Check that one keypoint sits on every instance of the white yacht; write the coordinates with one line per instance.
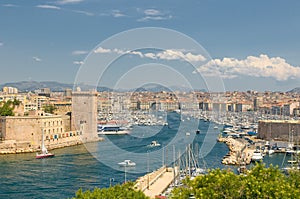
(112, 130)
(127, 163)
(154, 144)
(257, 156)
(271, 151)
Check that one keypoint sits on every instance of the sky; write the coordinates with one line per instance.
(229, 45)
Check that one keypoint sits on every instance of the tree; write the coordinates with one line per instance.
(49, 108)
(6, 108)
(118, 191)
(16, 102)
(259, 182)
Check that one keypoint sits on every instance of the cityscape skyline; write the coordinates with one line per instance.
(252, 45)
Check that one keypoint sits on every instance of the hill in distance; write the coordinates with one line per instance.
(295, 90)
(26, 86)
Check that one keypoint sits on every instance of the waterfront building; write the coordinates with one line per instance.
(279, 129)
(84, 114)
(25, 133)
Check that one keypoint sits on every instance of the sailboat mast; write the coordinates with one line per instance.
(189, 159)
(43, 144)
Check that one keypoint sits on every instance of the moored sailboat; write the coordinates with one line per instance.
(44, 152)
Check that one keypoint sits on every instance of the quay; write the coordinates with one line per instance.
(155, 183)
(239, 151)
(16, 147)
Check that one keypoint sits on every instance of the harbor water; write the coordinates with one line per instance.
(96, 164)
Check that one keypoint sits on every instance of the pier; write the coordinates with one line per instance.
(239, 152)
(153, 184)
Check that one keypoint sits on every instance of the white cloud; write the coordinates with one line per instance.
(261, 66)
(170, 54)
(117, 13)
(150, 55)
(9, 5)
(102, 50)
(178, 54)
(113, 13)
(79, 52)
(48, 7)
(155, 18)
(78, 62)
(69, 1)
(152, 12)
(37, 59)
(84, 12)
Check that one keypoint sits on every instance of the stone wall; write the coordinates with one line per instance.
(84, 114)
(32, 128)
(13, 146)
(285, 130)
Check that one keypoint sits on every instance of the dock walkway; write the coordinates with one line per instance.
(155, 183)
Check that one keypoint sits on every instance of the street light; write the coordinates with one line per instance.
(125, 173)
(111, 180)
(148, 170)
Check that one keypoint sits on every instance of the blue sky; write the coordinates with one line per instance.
(253, 45)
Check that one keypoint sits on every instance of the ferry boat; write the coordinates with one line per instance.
(108, 129)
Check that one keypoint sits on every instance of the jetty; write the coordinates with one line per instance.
(155, 183)
(238, 151)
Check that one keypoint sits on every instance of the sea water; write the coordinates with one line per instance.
(96, 164)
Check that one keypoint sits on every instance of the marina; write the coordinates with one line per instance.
(96, 164)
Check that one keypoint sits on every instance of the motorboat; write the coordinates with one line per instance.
(154, 144)
(257, 156)
(271, 151)
(127, 163)
(197, 131)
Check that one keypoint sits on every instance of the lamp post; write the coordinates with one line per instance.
(111, 180)
(125, 174)
(148, 170)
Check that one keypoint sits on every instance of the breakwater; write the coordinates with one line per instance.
(239, 152)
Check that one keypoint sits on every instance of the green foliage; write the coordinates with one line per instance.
(16, 102)
(260, 182)
(118, 191)
(6, 108)
(49, 108)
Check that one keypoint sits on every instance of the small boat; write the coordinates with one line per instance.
(290, 151)
(154, 144)
(271, 151)
(44, 153)
(197, 131)
(187, 133)
(216, 127)
(127, 163)
(257, 156)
